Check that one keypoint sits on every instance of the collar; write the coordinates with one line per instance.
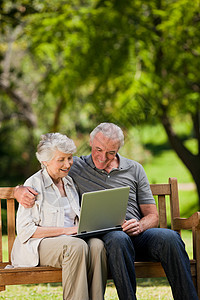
(48, 180)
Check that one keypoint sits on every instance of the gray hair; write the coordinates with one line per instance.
(51, 142)
(109, 130)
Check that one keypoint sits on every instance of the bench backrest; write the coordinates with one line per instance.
(161, 191)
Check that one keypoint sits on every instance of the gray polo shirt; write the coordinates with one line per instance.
(129, 173)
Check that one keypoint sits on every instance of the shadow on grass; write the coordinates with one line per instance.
(146, 282)
(52, 284)
(157, 149)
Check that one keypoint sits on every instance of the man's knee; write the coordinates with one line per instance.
(176, 241)
(117, 241)
(170, 239)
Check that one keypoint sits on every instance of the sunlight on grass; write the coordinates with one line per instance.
(147, 288)
(150, 289)
(164, 165)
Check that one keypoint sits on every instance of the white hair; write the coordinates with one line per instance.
(50, 143)
(109, 130)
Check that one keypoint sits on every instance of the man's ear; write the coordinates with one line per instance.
(90, 143)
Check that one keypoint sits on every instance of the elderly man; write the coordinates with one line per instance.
(140, 239)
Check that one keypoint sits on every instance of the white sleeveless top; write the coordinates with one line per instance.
(69, 214)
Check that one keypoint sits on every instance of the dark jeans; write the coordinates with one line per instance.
(155, 244)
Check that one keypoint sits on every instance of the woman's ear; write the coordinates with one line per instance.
(44, 163)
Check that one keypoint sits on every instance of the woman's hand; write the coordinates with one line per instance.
(70, 230)
(42, 232)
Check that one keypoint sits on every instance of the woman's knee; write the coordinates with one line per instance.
(96, 245)
(96, 248)
(77, 247)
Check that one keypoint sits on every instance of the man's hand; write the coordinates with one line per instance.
(25, 196)
(131, 227)
(149, 220)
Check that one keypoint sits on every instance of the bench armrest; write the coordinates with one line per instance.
(187, 223)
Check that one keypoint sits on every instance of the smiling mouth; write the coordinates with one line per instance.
(64, 170)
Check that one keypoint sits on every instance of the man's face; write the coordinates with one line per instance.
(104, 150)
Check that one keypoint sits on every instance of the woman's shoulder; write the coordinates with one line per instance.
(35, 178)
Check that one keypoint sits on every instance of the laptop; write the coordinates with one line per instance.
(102, 211)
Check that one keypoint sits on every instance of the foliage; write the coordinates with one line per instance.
(68, 65)
(4, 221)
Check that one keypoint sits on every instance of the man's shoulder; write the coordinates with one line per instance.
(127, 162)
(81, 161)
(79, 164)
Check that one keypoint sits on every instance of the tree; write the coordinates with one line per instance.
(144, 60)
(127, 62)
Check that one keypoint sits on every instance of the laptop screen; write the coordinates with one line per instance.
(103, 209)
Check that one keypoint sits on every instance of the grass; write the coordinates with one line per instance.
(147, 289)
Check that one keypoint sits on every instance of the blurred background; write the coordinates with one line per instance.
(66, 66)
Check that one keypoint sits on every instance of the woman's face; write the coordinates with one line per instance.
(60, 165)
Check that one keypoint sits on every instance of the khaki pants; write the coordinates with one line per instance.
(84, 266)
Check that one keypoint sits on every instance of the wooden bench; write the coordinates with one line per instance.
(163, 192)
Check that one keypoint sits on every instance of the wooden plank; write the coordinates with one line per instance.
(149, 269)
(33, 275)
(174, 201)
(194, 242)
(1, 250)
(197, 244)
(6, 192)
(10, 225)
(38, 275)
(162, 211)
(155, 269)
(160, 189)
(187, 223)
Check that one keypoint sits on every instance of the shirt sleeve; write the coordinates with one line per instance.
(27, 218)
(144, 193)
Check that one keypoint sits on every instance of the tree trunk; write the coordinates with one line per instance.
(26, 112)
(191, 161)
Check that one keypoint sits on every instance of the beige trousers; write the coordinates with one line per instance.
(84, 265)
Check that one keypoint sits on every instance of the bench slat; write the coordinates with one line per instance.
(162, 211)
(1, 250)
(7, 193)
(160, 189)
(10, 224)
(33, 275)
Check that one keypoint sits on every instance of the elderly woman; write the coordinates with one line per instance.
(45, 231)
